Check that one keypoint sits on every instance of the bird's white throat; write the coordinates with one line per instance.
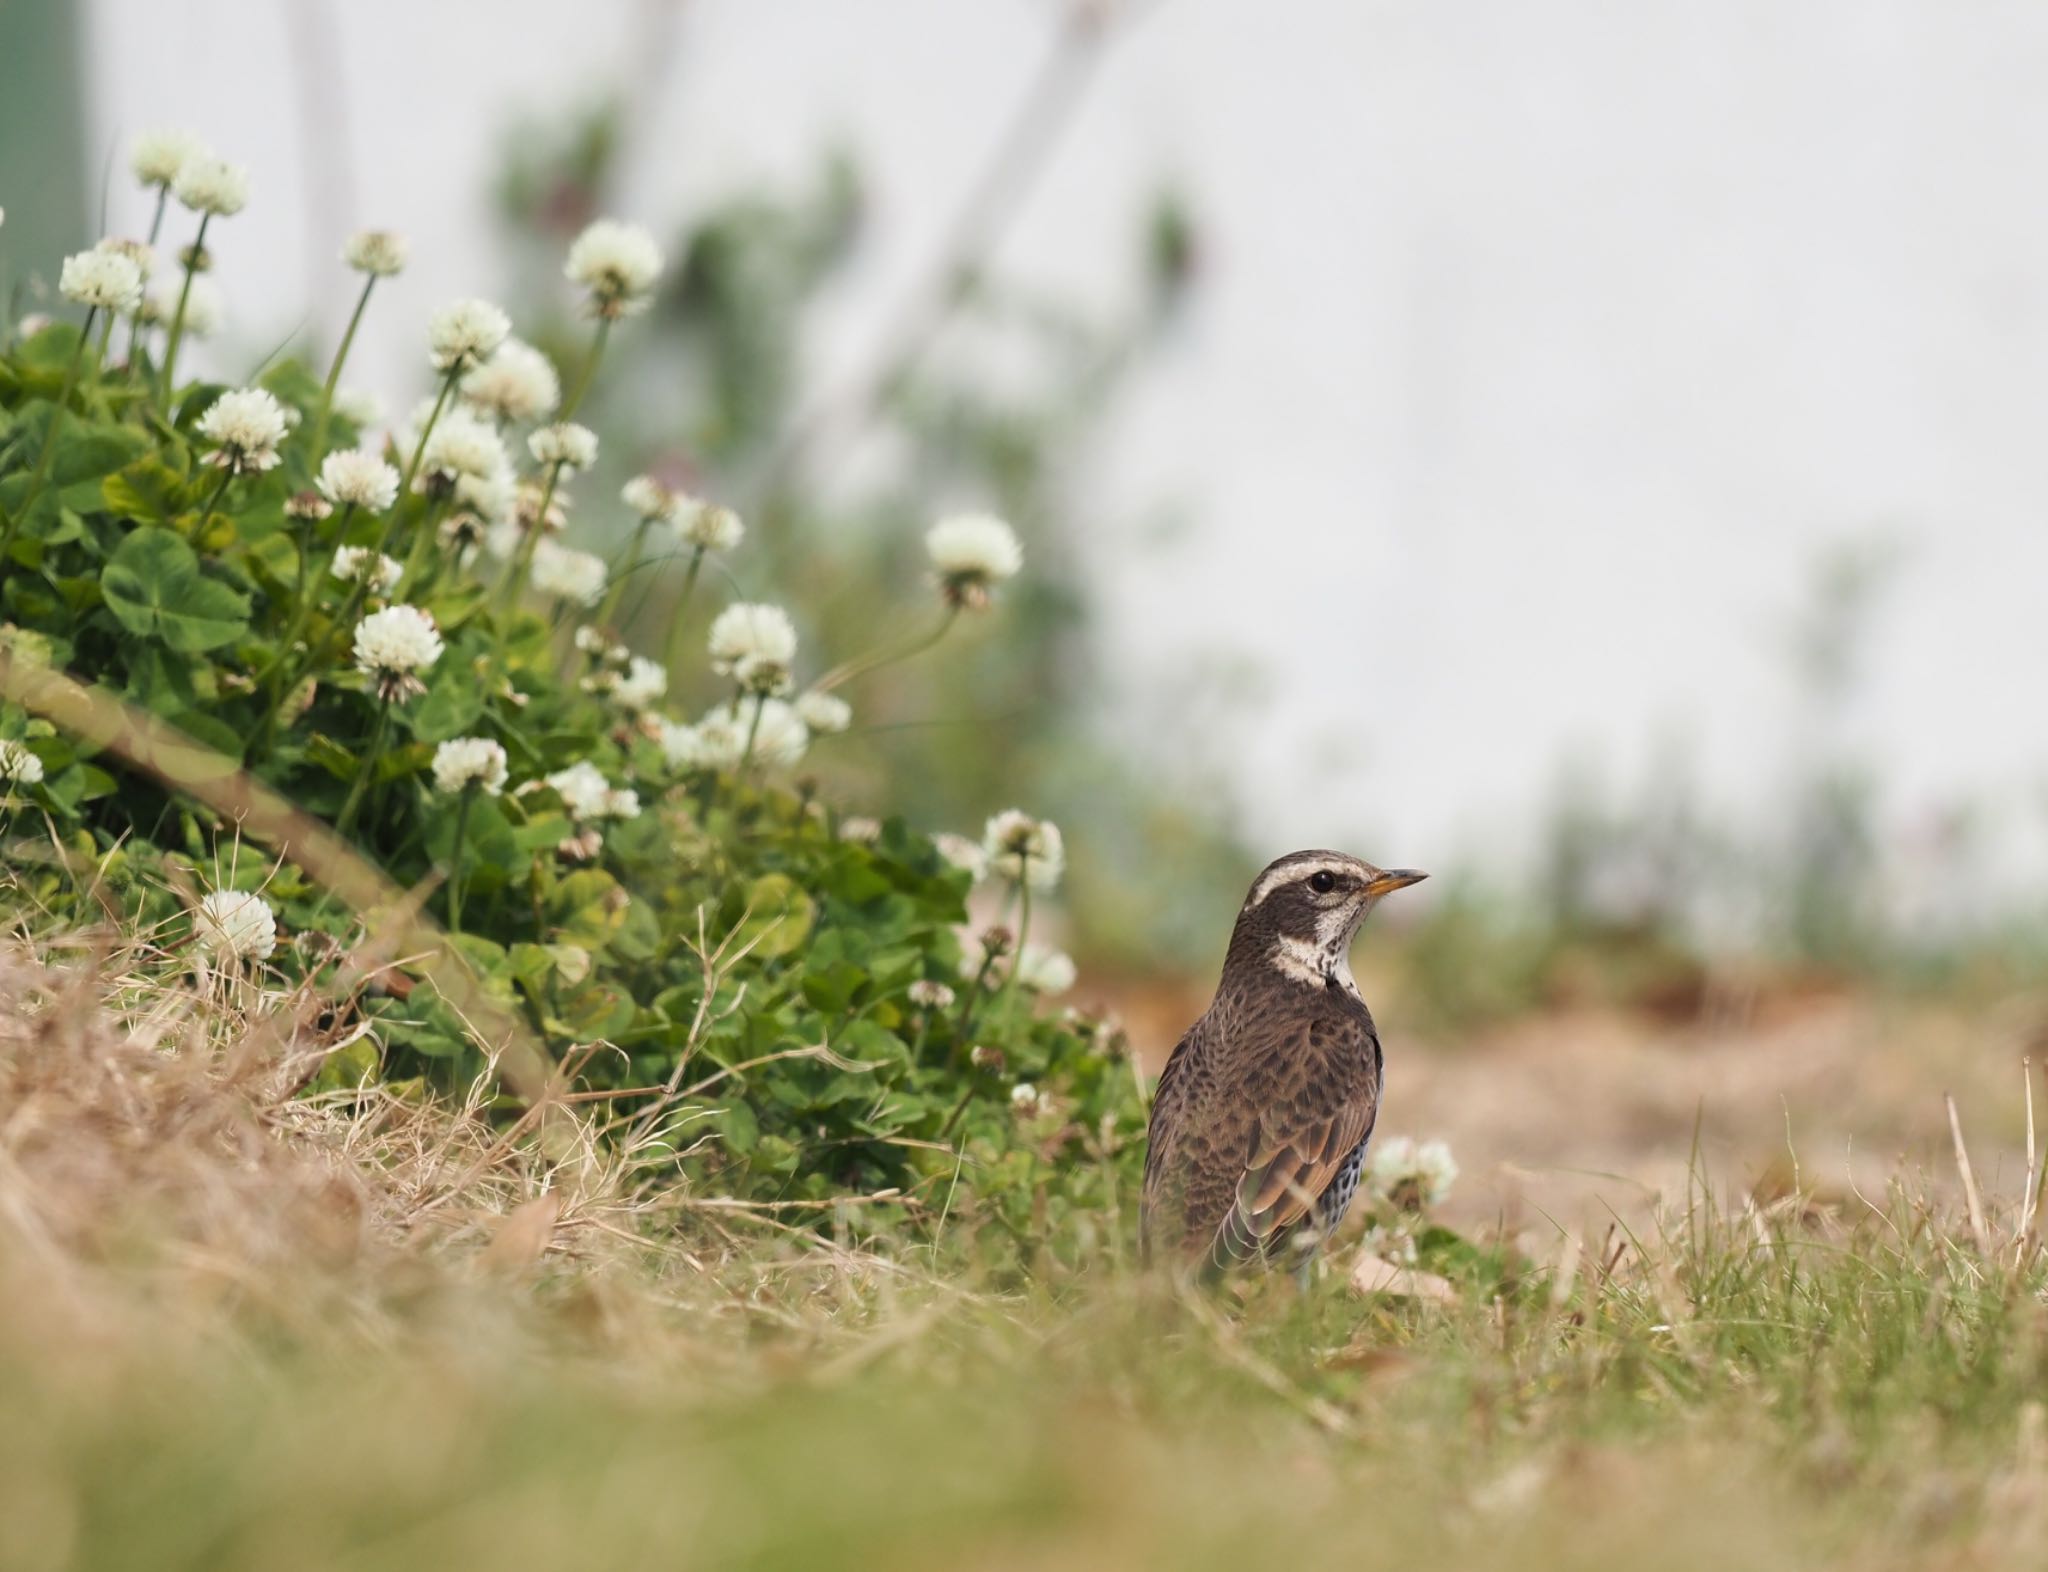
(1316, 962)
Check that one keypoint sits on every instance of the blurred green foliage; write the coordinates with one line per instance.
(989, 397)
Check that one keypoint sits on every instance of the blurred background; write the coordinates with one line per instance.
(1588, 452)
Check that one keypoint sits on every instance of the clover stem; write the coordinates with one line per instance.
(42, 469)
(675, 620)
(629, 559)
(521, 565)
(367, 768)
(1004, 1004)
(192, 257)
(419, 448)
(455, 858)
(753, 731)
(99, 364)
(888, 655)
(589, 372)
(334, 371)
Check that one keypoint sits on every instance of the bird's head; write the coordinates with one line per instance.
(1305, 909)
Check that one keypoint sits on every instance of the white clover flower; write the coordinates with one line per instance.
(617, 264)
(502, 539)
(972, 553)
(139, 252)
(927, 994)
(359, 406)
(379, 573)
(233, 925)
(351, 478)
(378, 252)
(158, 156)
(566, 444)
(462, 445)
(708, 526)
(824, 712)
(466, 334)
(245, 426)
(18, 764)
(753, 643)
(1026, 1099)
(779, 736)
(1411, 1176)
(964, 853)
(463, 762)
(517, 383)
(207, 184)
(649, 498)
(103, 280)
(682, 746)
(860, 829)
(562, 573)
(1025, 850)
(642, 685)
(588, 795)
(490, 497)
(393, 646)
(1045, 971)
(594, 641)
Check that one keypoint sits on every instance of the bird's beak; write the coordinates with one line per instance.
(1392, 879)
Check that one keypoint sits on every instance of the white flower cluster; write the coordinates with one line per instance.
(158, 156)
(563, 573)
(245, 426)
(710, 527)
(972, 552)
(378, 252)
(588, 795)
(568, 445)
(352, 478)
(212, 186)
(719, 740)
(378, 573)
(616, 264)
(463, 762)
(517, 383)
(233, 925)
(103, 279)
(18, 765)
(928, 994)
(1025, 850)
(755, 645)
(642, 685)
(466, 456)
(824, 712)
(393, 646)
(1045, 971)
(465, 334)
(965, 853)
(1411, 1175)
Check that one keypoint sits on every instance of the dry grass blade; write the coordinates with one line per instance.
(1974, 1201)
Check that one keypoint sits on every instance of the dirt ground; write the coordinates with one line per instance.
(1570, 1119)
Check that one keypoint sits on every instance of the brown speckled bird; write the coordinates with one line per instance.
(1261, 1117)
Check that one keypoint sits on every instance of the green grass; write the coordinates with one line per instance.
(243, 1331)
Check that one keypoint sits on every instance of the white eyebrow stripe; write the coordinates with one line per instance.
(1293, 872)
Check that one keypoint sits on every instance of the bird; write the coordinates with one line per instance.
(1260, 1120)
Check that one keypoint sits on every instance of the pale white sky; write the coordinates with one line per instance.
(1541, 345)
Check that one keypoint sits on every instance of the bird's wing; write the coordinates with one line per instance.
(1313, 1093)
(1162, 1213)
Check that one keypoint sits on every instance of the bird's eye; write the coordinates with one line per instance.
(1322, 883)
